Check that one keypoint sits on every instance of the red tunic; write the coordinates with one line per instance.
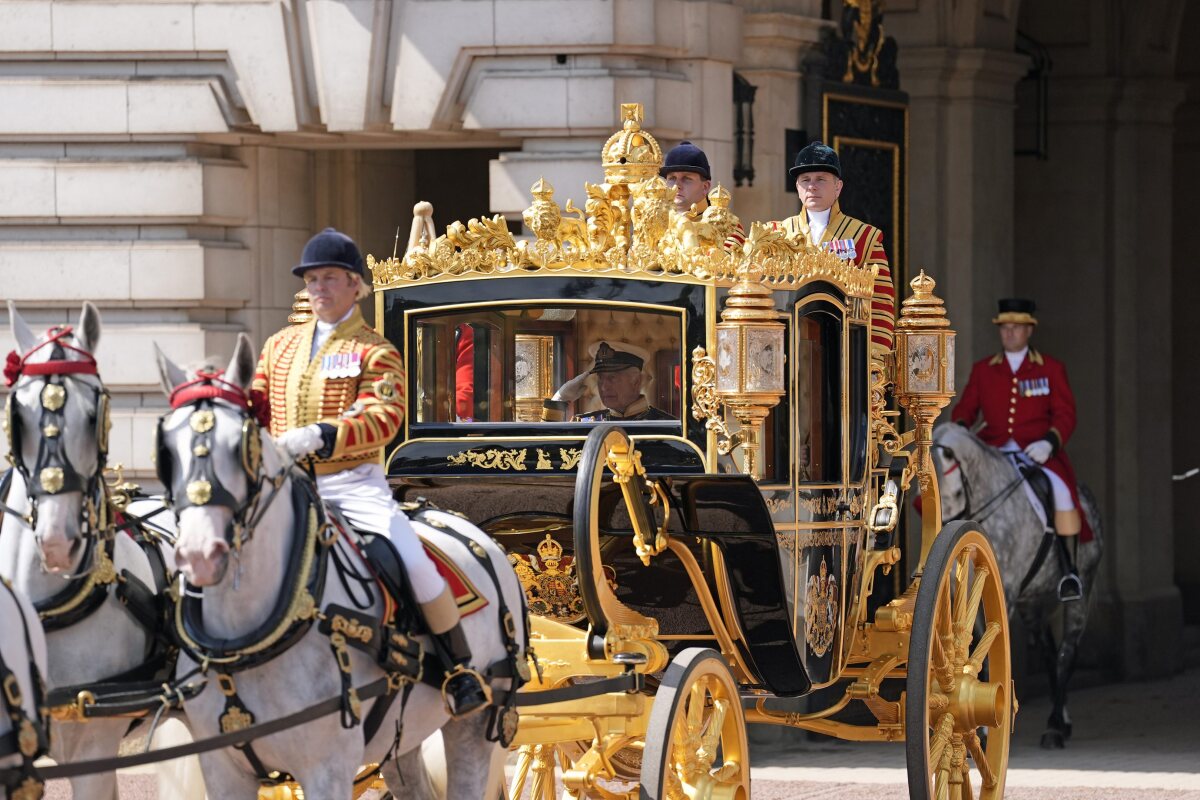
(1034, 403)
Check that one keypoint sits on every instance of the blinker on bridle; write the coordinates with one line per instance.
(52, 468)
(201, 486)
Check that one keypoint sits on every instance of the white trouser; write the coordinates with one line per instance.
(1062, 494)
(364, 500)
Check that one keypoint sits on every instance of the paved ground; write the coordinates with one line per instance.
(1131, 741)
(1137, 740)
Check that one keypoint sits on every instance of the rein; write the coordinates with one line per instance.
(992, 504)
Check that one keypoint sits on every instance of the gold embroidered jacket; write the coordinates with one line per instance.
(868, 249)
(367, 408)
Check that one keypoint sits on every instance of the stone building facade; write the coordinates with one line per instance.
(168, 159)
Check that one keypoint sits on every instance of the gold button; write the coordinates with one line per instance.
(1010, 422)
(1014, 378)
(1014, 390)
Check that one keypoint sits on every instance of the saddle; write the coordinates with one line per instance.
(1070, 587)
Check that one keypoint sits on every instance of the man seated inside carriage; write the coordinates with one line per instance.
(620, 380)
(336, 390)
(1028, 412)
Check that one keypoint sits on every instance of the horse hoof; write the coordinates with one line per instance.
(1066, 731)
(1053, 740)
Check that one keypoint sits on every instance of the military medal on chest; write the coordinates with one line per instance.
(341, 365)
(843, 249)
(1035, 387)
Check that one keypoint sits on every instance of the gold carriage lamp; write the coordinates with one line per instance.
(749, 370)
(924, 386)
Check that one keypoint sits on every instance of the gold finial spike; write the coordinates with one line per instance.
(632, 115)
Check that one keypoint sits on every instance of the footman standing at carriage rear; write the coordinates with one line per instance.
(336, 390)
(818, 176)
(1028, 411)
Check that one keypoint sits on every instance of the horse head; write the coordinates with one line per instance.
(210, 458)
(57, 423)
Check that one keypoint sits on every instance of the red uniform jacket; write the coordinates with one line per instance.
(1034, 403)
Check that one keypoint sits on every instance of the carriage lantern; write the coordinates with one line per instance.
(750, 376)
(924, 386)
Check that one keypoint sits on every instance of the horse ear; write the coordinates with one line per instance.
(240, 371)
(169, 373)
(87, 333)
(26, 340)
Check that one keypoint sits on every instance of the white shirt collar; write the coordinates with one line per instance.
(325, 330)
(1015, 359)
(818, 221)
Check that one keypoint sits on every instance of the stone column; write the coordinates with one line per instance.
(960, 182)
(1094, 237)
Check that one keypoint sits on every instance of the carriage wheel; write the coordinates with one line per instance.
(958, 726)
(696, 742)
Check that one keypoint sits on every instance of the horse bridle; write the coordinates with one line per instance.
(201, 486)
(993, 503)
(52, 472)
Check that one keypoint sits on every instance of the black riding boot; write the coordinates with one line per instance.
(463, 690)
(1070, 587)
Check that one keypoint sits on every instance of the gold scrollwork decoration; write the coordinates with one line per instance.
(570, 457)
(491, 459)
(706, 404)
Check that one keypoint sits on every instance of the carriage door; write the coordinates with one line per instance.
(816, 547)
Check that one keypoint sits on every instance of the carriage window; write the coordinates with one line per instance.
(506, 364)
(818, 404)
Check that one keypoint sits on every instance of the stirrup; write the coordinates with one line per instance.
(1070, 588)
(463, 671)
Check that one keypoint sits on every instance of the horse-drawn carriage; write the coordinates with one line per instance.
(689, 566)
(693, 545)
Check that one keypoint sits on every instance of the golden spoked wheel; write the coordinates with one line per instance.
(696, 740)
(959, 673)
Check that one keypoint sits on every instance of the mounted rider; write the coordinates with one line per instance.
(1028, 412)
(818, 176)
(336, 389)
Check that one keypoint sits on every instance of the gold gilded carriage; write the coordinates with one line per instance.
(750, 518)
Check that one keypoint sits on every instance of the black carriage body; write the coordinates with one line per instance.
(784, 555)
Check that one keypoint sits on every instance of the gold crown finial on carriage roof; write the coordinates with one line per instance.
(631, 155)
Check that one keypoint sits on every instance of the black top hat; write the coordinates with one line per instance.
(817, 157)
(1016, 309)
(330, 248)
(686, 157)
(609, 359)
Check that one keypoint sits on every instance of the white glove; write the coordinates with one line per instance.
(1039, 451)
(572, 390)
(300, 442)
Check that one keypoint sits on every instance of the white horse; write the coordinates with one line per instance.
(58, 425)
(239, 574)
(977, 481)
(23, 653)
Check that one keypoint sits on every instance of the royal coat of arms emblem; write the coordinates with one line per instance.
(550, 582)
(820, 610)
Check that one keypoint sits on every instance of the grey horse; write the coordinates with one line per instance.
(977, 481)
